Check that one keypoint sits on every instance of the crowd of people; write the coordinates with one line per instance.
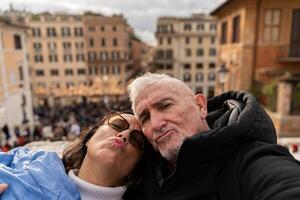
(59, 122)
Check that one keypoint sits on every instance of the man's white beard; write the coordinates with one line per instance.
(171, 154)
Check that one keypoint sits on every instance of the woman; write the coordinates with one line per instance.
(107, 159)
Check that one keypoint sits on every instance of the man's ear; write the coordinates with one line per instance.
(202, 104)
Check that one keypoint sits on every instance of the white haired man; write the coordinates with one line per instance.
(223, 149)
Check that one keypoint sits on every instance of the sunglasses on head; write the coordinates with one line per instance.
(120, 124)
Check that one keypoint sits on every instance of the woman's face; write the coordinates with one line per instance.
(117, 148)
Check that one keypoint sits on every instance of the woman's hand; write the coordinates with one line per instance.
(3, 187)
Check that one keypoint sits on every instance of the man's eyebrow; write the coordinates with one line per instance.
(142, 114)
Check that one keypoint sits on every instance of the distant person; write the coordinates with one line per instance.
(102, 163)
(74, 129)
(223, 149)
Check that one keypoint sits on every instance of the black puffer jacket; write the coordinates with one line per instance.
(237, 159)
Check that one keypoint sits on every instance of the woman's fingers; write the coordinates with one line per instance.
(3, 187)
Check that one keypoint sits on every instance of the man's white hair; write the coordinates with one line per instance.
(146, 80)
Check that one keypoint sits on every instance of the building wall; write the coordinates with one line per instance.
(118, 59)
(185, 37)
(15, 96)
(50, 84)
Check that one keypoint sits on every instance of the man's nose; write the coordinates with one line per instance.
(157, 121)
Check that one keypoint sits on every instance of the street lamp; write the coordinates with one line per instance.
(222, 74)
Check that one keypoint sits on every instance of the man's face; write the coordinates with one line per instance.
(168, 113)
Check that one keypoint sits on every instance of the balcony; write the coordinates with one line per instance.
(289, 54)
(163, 60)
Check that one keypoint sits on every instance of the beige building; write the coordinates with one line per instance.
(57, 49)
(187, 50)
(260, 46)
(15, 93)
(108, 52)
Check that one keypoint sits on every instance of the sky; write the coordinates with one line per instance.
(140, 14)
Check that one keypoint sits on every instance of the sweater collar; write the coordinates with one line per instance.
(91, 191)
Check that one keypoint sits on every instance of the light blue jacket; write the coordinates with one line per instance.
(35, 175)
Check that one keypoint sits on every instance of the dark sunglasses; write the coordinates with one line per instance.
(120, 124)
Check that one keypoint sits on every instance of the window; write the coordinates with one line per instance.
(199, 40)
(199, 77)
(65, 31)
(200, 27)
(91, 42)
(81, 71)
(295, 35)
(38, 58)
(169, 66)
(79, 45)
(78, 31)
(169, 54)
(39, 72)
(188, 52)
(54, 72)
(52, 46)
(271, 25)
(68, 72)
(51, 32)
(236, 29)
(116, 69)
(68, 58)
(18, 42)
(37, 46)
(169, 40)
(187, 27)
(161, 41)
(114, 28)
(199, 65)
(92, 55)
(115, 42)
(103, 42)
(212, 52)
(212, 40)
(224, 33)
(211, 92)
(92, 28)
(187, 66)
(67, 46)
(21, 74)
(36, 32)
(212, 27)
(103, 55)
(187, 40)
(102, 28)
(211, 76)
(199, 90)
(200, 52)
(80, 57)
(159, 54)
(186, 77)
(53, 58)
(212, 65)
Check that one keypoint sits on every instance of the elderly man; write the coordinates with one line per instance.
(221, 149)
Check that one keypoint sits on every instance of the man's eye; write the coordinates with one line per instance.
(144, 119)
(164, 105)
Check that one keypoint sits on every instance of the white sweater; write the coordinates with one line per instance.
(90, 191)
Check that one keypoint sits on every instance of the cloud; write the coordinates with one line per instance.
(141, 14)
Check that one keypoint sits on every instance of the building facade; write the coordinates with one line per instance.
(187, 50)
(57, 56)
(15, 94)
(73, 58)
(259, 43)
